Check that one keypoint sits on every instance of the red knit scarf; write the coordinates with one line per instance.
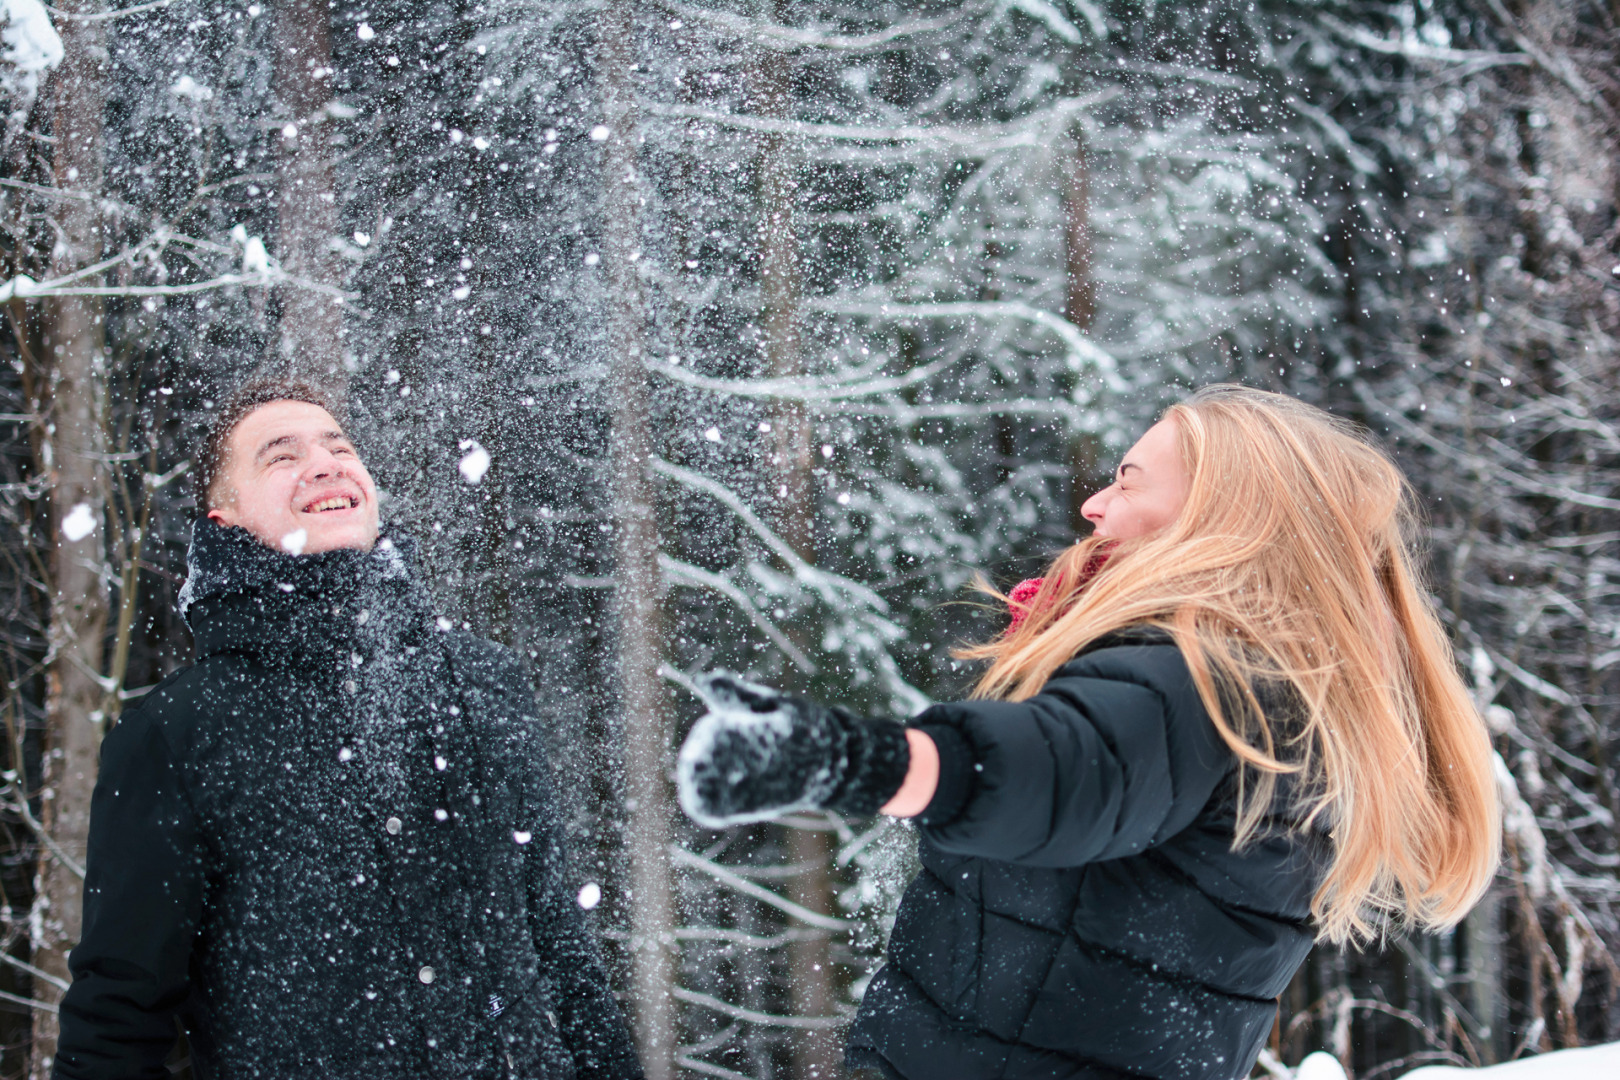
(1022, 596)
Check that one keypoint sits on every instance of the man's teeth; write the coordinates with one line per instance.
(338, 503)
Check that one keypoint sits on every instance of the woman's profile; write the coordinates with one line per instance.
(1223, 726)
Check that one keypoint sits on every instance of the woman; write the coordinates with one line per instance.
(1223, 726)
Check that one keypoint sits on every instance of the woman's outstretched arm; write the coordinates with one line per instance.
(922, 777)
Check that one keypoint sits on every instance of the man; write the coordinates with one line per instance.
(328, 848)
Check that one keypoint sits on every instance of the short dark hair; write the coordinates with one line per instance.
(236, 406)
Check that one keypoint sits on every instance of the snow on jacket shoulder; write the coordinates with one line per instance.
(1081, 912)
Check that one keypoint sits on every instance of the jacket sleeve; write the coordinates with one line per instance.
(588, 1016)
(142, 901)
(1115, 754)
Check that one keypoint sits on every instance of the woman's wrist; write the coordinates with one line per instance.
(917, 790)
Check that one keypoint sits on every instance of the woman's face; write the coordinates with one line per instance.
(1148, 491)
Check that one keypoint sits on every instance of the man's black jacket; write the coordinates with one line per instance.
(329, 848)
(1081, 913)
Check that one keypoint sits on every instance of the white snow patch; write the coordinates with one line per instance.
(255, 258)
(1319, 1066)
(521, 837)
(1051, 16)
(32, 48)
(190, 89)
(590, 894)
(475, 461)
(461, 292)
(713, 434)
(1582, 1063)
(79, 523)
(293, 543)
(364, 32)
(601, 133)
(21, 285)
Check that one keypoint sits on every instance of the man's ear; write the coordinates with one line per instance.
(223, 512)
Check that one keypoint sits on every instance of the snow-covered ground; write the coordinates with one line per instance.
(1586, 1063)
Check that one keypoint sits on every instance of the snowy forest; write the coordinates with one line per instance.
(687, 334)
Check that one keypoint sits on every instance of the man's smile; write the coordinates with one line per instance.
(332, 502)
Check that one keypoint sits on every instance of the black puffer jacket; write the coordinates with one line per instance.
(1081, 912)
(329, 847)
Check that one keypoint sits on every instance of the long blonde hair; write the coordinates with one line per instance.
(1292, 561)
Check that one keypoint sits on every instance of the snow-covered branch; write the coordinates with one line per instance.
(1084, 354)
(1498, 471)
(807, 389)
(24, 287)
(1410, 48)
(114, 13)
(829, 585)
(975, 141)
(737, 1012)
(686, 573)
(30, 1003)
(59, 983)
(781, 903)
(758, 32)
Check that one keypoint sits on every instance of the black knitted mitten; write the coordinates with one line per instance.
(758, 754)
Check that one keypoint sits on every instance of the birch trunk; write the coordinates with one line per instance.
(73, 456)
(637, 578)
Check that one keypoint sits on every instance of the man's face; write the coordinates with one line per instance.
(291, 478)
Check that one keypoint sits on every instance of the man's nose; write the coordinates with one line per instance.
(323, 463)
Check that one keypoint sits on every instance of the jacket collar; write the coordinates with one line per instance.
(241, 595)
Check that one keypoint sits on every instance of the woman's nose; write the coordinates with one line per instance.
(1094, 508)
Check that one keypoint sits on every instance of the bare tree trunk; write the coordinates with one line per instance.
(306, 203)
(74, 458)
(638, 582)
(812, 988)
(1080, 300)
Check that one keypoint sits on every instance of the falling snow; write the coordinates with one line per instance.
(783, 322)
